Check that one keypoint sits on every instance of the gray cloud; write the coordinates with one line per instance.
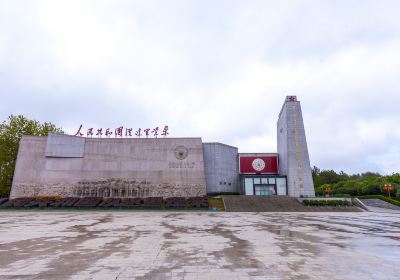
(216, 69)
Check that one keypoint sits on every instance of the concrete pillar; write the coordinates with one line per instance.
(294, 161)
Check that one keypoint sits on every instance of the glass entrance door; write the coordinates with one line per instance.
(264, 190)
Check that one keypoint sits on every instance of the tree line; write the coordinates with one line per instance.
(11, 132)
(368, 183)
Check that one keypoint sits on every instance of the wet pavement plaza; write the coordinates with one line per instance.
(198, 245)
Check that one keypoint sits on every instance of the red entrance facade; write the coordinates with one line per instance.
(259, 175)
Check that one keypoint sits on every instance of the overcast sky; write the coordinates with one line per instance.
(215, 69)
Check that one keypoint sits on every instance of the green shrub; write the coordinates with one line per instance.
(371, 189)
(325, 202)
(368, 183)
(4, 193)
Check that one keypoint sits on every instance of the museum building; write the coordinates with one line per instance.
(73, 166)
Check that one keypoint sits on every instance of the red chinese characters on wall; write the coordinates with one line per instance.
(121, 131)
(165, 131)
(258, 164)
(128, 132)
(79, 133)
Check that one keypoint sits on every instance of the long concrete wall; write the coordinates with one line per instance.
(111, 167)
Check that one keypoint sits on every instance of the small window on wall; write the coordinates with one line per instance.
(271, 180)
(264, 180)
(257, 181)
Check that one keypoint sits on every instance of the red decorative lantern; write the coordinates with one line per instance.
(328, 191)
(388, 188)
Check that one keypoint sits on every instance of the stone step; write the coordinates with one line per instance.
(379, 203)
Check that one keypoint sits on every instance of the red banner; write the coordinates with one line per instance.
(258, 164)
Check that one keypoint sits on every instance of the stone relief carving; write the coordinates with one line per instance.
(121, 188)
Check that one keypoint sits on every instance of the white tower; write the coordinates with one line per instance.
(294, 161)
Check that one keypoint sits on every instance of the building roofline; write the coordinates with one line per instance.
(218, 143)
(258, 154)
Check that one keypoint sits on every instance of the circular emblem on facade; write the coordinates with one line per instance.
(258, 164)
(181, 152)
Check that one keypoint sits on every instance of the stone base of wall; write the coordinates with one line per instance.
(120, 188)
(111, 202)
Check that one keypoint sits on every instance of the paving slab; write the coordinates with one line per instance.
(198, 245)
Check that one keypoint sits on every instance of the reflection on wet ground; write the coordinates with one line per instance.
(199, 245)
